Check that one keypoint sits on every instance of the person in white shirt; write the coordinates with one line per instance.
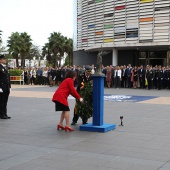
(117, 76)
(32, 76)
(92, 71)
(45, 76)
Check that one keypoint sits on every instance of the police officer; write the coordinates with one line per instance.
(159, 77)
(168, 77)
(85, 77)
(4, 87)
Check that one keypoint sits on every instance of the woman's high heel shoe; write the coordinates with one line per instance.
(60, 127)
(69, 129)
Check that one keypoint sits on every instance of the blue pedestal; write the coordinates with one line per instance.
(98, 102)
(92, 128)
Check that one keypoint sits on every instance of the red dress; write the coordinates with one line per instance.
(108, 76)
(62, 93)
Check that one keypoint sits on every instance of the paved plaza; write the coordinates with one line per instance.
(30, 141)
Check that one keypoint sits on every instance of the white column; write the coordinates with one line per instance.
(114, 57)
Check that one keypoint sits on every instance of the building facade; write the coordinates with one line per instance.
(130, 31)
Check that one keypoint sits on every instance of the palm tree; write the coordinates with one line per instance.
(46, 51)
(19, 43)
(25, 44)
(56, 45)
(13, 43)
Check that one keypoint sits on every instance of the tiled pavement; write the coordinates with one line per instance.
(30, 141)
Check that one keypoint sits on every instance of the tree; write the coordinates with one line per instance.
(69, 50)
(19, 43)
(46, 51)
(34, 52)
(13, 43)
(26, 44)
(56, 45)
(66, 61)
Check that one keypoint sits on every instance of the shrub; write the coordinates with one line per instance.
(15, 72)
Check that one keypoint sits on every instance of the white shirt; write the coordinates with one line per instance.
(118, 73)
(45, 73)
(3, 65)
(92, 71)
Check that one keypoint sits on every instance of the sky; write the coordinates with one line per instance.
(39, 18)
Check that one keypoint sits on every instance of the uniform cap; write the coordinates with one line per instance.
(2, 56)
(88, 67)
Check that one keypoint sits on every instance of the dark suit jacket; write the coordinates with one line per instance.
(128, 72)
(141, 73)
(5, 84)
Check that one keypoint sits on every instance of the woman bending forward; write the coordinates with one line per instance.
(60, 99)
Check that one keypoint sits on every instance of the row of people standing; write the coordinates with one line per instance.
(35, 76)
(43, 76)
(157, 77)
(48, 75)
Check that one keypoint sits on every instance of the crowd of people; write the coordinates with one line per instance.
(125, 76)
(156, 77)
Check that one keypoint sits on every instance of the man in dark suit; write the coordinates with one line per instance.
(85, 77)
(123, 76)
(149, 76)
(141, 75)
(159, 77)
(128, 74)
(4, 87)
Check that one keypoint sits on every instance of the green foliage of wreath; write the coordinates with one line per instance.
(85, 109)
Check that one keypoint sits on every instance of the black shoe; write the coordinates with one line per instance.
(8, 117)
(84, 123)
(3, 117)
(73, 123)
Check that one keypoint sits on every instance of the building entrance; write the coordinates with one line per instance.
(152, 58)
(154, 62)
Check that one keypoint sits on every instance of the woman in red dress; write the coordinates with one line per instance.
(60, 98)
(108, 76)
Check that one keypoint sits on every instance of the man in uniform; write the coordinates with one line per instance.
(85, 77)
(4, 87)
(159, 77)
